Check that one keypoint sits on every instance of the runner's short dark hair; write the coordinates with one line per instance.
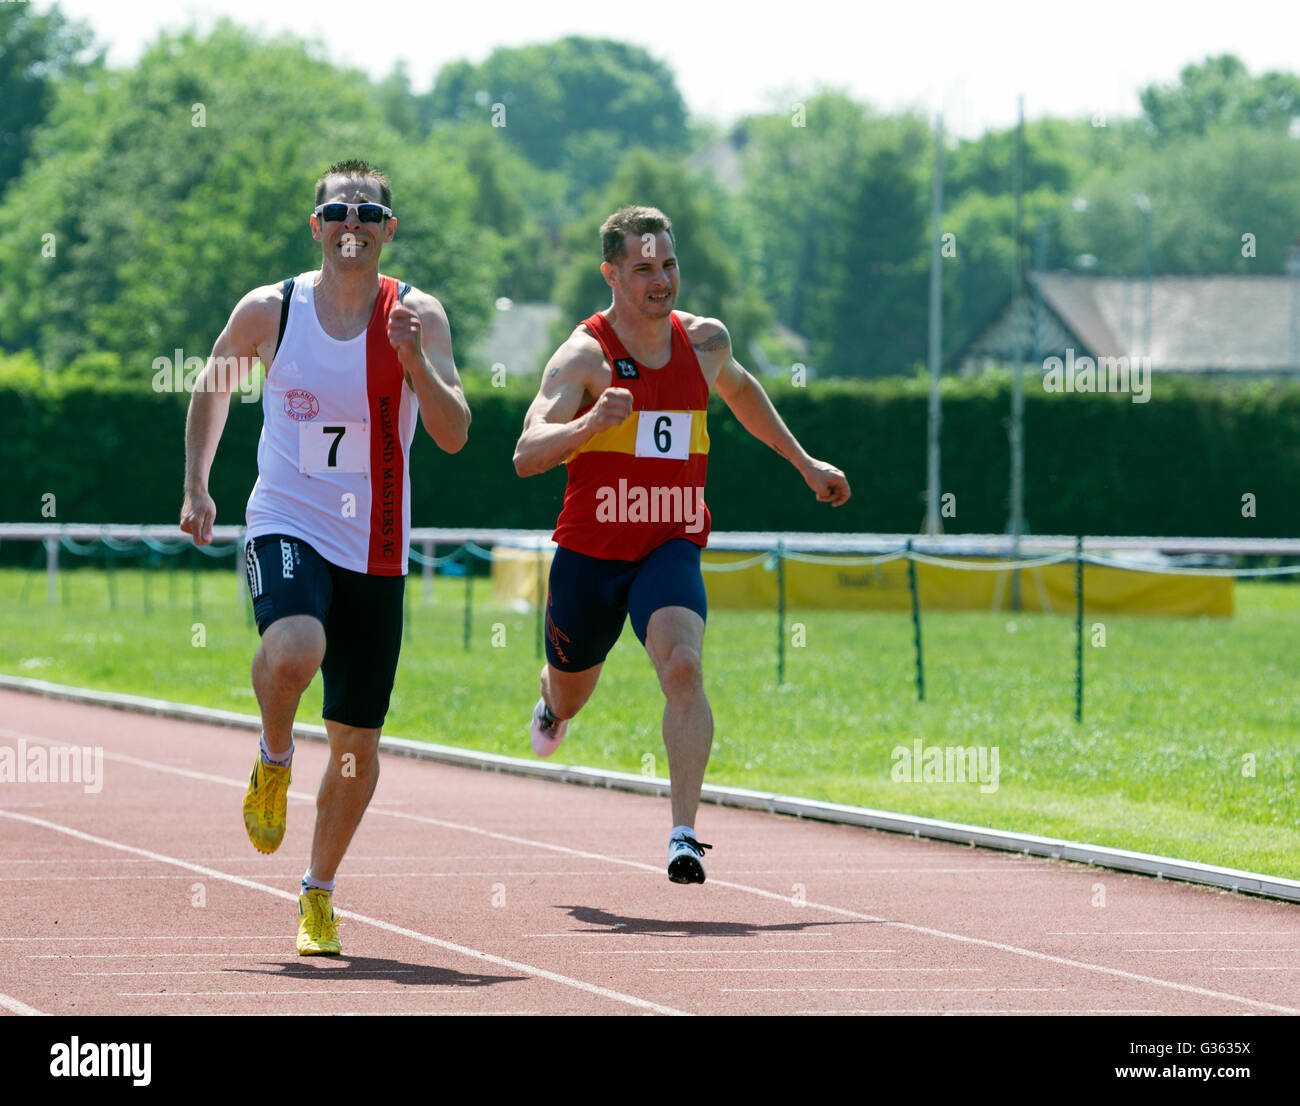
(630, 220)
(355, 167)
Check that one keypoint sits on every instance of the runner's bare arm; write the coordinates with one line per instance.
(419, 332)
(752, 406)
(551, 432)
(248, 334)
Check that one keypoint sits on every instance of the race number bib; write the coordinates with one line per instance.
(663, 434)
(333, 447)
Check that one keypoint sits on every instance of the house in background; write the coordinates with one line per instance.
(1239, 326)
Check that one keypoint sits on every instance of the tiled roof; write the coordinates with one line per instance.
(1198, 323)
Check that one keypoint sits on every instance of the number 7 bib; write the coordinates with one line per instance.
(333, 447)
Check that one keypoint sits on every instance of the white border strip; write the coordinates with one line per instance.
(16, 1006)
(1122, 860)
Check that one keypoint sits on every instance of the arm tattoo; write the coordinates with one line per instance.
(721, 340)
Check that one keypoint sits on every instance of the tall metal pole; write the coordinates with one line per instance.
(1293, 267)
(1017, 522)
(935, 421)
(1144, 206)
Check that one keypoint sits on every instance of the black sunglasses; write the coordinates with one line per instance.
(367, 213)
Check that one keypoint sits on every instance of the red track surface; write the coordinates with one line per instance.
(472, 892)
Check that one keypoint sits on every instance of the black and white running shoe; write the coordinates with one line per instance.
(684, 855)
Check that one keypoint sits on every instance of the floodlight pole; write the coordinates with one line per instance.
(935, 417)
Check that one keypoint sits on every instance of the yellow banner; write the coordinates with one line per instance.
(841, 584)
(849, 586)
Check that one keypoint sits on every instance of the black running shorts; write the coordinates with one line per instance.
(361, 614)
(589, 598)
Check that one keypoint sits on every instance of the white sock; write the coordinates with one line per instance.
(682, 831)
(281, 759)
(311, 883)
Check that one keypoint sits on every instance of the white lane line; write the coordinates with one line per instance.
(344, 973)
(500, 873)
(259, 859)
(408, 1013)
(17, 1006)
(809, 970)
(882, 990)
(146, 955)
(178, 937)
(76, 879)
(623, 934)
(964, 1011)
(982, 942)
(378, 923)
(722, 952)
(1046, 867)
(277, 993)
(513, 839)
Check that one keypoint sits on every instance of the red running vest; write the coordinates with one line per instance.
(637, 485)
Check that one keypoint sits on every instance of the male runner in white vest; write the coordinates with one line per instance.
(352, 358)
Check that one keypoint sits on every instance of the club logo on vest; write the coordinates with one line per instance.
(626, 369)
(301, 405)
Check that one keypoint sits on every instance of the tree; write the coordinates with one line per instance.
(170, 190)
(548, 98)
(837, 200)
(1205, 194)
(36, 52)
(517, 201)
(711, 241)
(1220, 92)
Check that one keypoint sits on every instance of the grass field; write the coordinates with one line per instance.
(1188, 747)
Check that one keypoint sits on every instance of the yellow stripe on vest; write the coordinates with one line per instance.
(623, 438)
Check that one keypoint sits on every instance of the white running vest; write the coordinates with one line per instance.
(334, 456)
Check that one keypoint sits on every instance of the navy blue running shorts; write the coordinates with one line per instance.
(361, 614)
(589, 598)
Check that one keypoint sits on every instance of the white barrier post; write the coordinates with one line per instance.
(51, 572)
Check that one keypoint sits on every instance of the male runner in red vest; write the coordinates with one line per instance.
(623, 404)
(353, 359)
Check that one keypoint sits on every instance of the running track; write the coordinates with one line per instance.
(471, 892)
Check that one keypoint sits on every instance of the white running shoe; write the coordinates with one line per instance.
(684, 855)
(547, 731)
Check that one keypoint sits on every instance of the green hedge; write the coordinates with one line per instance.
(1178, 464)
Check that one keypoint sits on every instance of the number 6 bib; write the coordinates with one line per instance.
(663, 434)
(333, 447)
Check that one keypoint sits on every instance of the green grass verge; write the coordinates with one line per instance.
(1188, 747)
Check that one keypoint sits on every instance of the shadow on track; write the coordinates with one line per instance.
(618, 923)
(369, 967)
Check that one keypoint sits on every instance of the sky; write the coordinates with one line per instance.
(969, 60)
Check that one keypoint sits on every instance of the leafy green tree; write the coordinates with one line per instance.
(838, 201)
(556, 96)
(401, 107)
(711, 240)
(517, 201)
(1221, 92)
(169, 190)
(37, 51)
(1205, 194)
